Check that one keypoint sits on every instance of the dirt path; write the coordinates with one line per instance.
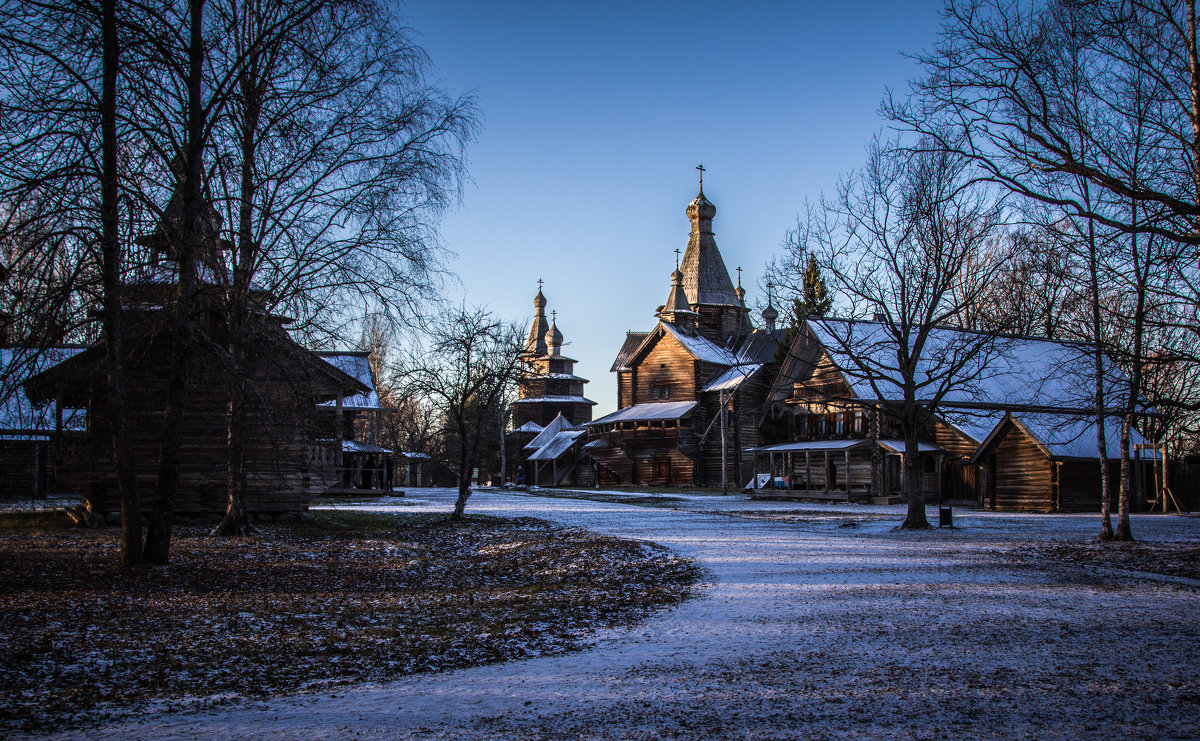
(823, 623)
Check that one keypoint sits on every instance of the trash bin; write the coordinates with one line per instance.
(945, 516)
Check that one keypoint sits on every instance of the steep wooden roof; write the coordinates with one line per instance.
(705, 278)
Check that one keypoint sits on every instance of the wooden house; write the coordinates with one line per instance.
(991, 444)
(691, 391)
(283, 383)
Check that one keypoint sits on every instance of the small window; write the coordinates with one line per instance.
(660, 392)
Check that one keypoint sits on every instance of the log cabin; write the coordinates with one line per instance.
(283, 384)
(1017, 432)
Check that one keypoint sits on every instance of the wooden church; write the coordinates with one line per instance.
(550, 409)
(691, 391)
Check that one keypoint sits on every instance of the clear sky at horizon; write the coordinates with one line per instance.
(594, 116)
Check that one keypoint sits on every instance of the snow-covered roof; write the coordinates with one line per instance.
(976, 424)
(556, 376)
(357, 366)
(350, 446)
(530, 426)
(17, 413)
(555, 399)
(897, 446)
(556, 446)
(644, 412)
(732, 378)
(894, 446)
(1064, 436)
(810, 445)
(557, 425)
(704, 349)
(633, 340)
(1008, 372)
(417, 456)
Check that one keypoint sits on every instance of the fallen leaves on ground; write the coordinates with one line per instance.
(351, 598)
(1166, 559)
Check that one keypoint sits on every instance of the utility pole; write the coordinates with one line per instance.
(724, 447)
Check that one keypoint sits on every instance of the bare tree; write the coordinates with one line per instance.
(895, 242)
(61, 185)
(1092, 109)
(1027, 90)
(469, 362)
(334, 159)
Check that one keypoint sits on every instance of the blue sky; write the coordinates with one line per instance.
(595, 114)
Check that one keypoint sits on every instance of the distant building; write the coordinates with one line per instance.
(548, 386)
(549, 409)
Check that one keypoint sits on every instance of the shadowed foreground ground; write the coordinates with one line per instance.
(820, 622)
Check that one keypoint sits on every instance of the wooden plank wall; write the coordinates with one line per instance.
(1022, 474)
(24, 468)
(277, 443)
(667, 363)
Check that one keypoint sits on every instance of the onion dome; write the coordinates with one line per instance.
(554, 339)
(701, 208)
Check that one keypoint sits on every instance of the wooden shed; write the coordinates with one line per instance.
(1049, 463)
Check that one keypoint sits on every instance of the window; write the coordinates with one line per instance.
(660, 392)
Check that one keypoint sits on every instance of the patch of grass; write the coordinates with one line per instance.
(350, 597)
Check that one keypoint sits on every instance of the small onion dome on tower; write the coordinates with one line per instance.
(554, 340)
(536, 344)
(769, 316)
(677, 311)
(701, 209)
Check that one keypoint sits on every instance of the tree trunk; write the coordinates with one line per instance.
(158, 534)
(1194, 88)
(1106, 529)
(131, 511)
(235, 520)
(464, 484)
(915, 519)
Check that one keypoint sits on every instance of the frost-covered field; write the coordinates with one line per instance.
(818, 622)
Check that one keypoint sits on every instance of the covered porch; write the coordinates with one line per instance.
(853, 470)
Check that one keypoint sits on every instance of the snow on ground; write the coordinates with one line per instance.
(819, 622)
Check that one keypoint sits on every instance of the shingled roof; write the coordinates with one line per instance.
(705, 278)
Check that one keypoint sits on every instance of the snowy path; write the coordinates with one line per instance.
(808, 630)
